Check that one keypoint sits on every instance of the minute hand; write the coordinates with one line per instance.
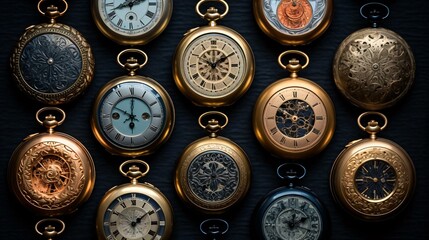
(224, 58)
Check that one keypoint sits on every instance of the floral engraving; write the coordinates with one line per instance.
(51, 63)
(213, 176)
(375, 67)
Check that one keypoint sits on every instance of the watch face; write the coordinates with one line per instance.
(375, 179)
(292, 217)
(295, 119)
(215, 65)
(130, 17)
(294, 16)
(131, 115)
(134, 216)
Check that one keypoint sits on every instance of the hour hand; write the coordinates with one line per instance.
(127, 3)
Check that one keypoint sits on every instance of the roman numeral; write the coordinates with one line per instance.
(231, 76)
(132, 90)
(120, 21)
(295, 94)
(153, 128)
(109, 127)
(112, 15)
(273, 130)
(118, 93)
(149, 14)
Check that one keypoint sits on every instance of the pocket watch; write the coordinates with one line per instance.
(51, 173)
(213, 65)
(294, 117)
(134, 210)
(293, 22)
(52, 62)
(132, 115)
(373, 178)
(213, 173)
(290, 212)
(374, 67)
(131, 22)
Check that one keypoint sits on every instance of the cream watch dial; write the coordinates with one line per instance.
(134, 216)
(292, 218)
(130, 17)
(295, 118)
(131, 115)
(215, 65)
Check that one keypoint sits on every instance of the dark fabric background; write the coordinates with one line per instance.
(407, 120)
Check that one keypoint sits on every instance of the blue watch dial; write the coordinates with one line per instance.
(375, 179)
(132, 114)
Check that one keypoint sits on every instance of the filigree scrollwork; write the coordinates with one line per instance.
(51, 63)
(360, 202)
(213, 176)
(295, 118)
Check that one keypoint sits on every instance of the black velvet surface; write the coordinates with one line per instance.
(407, 120)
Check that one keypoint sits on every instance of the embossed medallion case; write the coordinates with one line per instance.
(131, 22)
(213, 65)
(213, 173)
(293, 22)
(51, 173)
(294, 118)
(373, 178)
(134, 210)
(374, 67)
(132, 115)
(52, 62)
(290, 212)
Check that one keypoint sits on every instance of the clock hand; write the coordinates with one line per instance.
(127, 3)
(123, 111)
(222, 59)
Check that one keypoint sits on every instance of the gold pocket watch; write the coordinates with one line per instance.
(132, 115)
(51, 173)
(213, 65)
(294, 117)
(374, 67)
(52, 62)
(134, 210)
(373, 178)
(131, 22)
(213, 173)
(293, 22)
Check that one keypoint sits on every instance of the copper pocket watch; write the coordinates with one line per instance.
(373, 178)
(131, 22)
(52, 62)
(294, 117)
(290, 212)
(213, 173)
(134, 210)
(293, 22)
(132, 115)
(51, 173)
(374, 67)
(213, 65)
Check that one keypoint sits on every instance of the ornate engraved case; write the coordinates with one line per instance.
(373, 178)
(131, 22)
(134, 210)
(213, 65)
(374, 67)
(132, 115)
(294, 117)
(52, 62)
(290, 212)
(51, 173)
(213, 173)
(293, 22)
